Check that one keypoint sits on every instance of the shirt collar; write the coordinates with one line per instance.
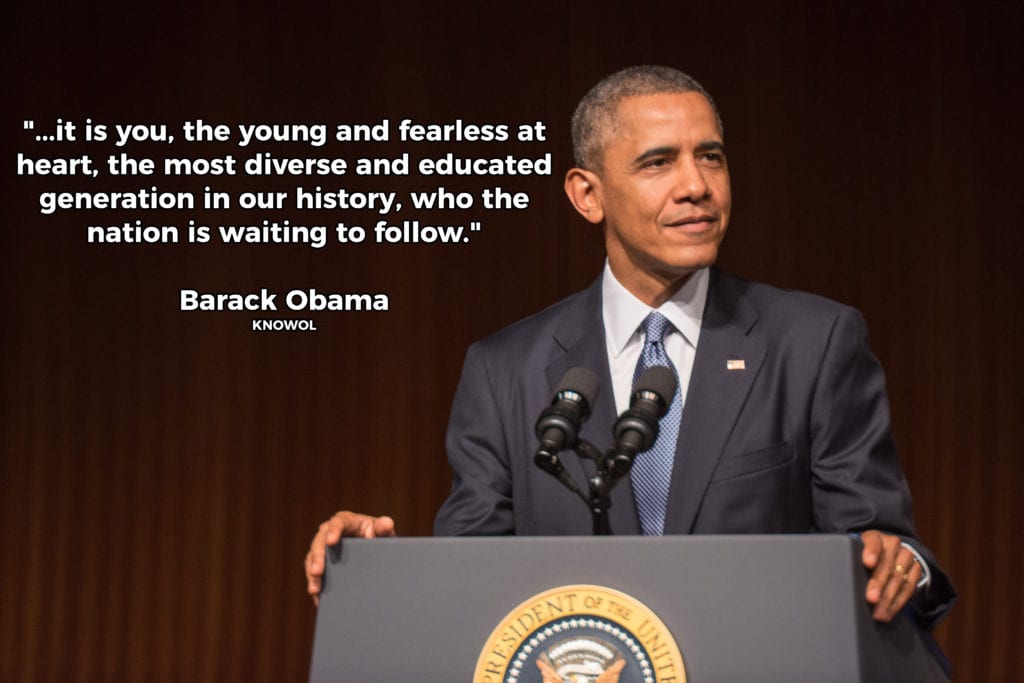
(623, 312)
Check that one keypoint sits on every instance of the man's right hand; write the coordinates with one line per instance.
(341, 524)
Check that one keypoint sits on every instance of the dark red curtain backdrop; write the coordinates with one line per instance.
(162, 472)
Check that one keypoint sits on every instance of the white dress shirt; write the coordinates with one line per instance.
(623, 313)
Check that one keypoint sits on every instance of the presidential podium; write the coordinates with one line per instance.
(674, 608)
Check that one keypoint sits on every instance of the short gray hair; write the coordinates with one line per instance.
(594, 117)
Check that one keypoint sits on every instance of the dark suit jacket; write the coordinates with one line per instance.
(796, 442)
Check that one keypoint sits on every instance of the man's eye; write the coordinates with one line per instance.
(713, 157)
(655, 163)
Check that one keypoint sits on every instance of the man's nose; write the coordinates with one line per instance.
(691, 186)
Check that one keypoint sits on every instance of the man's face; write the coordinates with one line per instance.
(663, 189)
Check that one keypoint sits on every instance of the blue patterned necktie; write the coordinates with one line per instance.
(652, 470)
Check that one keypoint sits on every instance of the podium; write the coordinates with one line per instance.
(739, 608)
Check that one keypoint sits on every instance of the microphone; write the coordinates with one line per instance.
(637, 429)
(559, 423)
(558, 426)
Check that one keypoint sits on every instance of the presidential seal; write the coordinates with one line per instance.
(580, 634)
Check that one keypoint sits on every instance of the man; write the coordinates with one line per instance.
(780, 423)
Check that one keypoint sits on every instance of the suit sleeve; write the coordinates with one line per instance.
(857, 482)
(480, 502)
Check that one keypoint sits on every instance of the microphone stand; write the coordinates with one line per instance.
(611, 467)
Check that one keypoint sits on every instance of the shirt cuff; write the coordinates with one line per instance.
(926, 573)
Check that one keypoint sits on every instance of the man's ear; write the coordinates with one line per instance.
(581, 188)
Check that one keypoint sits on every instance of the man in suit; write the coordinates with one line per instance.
(784, 423)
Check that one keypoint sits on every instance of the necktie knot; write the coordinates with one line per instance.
(655, 327)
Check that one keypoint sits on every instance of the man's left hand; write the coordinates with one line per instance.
(894, 573)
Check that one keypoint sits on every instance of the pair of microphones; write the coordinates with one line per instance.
(634, 431)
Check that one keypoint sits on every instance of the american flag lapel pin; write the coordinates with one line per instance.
(738, 364)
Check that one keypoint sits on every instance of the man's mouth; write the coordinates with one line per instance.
(693, 223)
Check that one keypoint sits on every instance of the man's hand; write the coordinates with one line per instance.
(341, 524)
(894, 573)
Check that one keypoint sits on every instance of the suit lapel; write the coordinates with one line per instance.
(581, 336)
(715, 396)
